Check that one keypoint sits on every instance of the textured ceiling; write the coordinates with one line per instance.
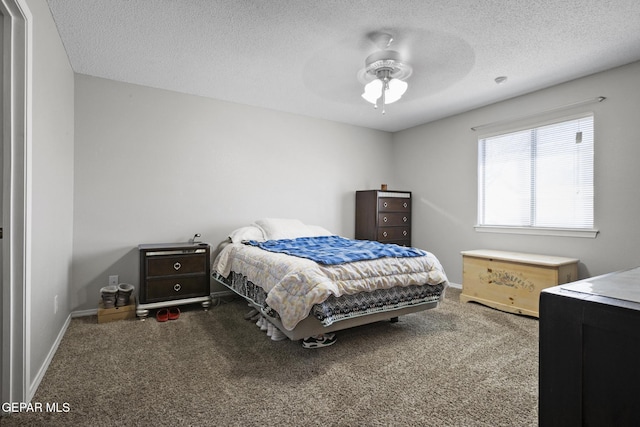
(303, 56)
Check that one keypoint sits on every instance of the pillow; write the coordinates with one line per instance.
(283, 228)
(250, 232)
(316, 230)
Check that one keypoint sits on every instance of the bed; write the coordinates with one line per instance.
(285, 269)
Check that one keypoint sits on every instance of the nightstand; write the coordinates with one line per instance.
(173, 274)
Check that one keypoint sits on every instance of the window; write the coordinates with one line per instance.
(538, 178)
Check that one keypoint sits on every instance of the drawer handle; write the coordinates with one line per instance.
(385, 204)
(404, 232)
(405, 204)
(177, 266)
(177, 287)
(384, 233)
(404, 219)
(384, 219)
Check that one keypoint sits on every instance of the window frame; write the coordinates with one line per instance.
(533, 230)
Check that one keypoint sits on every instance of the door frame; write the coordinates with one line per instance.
(16, 204)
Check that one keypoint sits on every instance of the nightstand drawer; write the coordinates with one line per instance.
(176, 264)
(394, 204)
(386, 234)
(176, 288)
(394, 219)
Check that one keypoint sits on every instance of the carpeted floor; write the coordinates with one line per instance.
(456, 365)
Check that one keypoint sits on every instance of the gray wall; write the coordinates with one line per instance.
(438, 162)
(159, 166)
(153, 166)
(50, 174)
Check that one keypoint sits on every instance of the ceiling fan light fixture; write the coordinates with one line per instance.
(393, 90)
(384, 76)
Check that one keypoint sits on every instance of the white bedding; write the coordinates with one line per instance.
(293, 285)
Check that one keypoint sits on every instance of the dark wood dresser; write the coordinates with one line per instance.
(384, 216)
(173, 274)
(590, 352)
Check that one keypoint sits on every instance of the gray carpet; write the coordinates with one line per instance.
(456, 365)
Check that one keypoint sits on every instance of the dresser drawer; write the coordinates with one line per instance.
(393, 233)
(394, 219)
(164, 289)
(176, 264)
(394, 204)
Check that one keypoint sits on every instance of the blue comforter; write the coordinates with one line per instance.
(331, 250)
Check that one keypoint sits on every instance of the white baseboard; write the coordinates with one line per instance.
(47, 361)
(455, 285)
(84, 313)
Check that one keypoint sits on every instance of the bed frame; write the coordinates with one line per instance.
(311, 326)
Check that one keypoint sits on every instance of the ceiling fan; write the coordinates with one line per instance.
(384, 73)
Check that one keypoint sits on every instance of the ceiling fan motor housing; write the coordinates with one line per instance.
(386, 63)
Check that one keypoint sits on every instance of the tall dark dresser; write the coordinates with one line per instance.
(590, 352)
(384, 216)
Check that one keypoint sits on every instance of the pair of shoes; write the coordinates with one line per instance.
(164, 314)
(116, 296)
(324, 340)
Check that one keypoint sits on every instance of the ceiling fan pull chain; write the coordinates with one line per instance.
(385, 87)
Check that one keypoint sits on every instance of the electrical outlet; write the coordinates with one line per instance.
(55, 304)
(113, 280)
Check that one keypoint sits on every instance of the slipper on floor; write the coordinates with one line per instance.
(162, 315)
(174, 313)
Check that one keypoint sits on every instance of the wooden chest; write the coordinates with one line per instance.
(512, 281)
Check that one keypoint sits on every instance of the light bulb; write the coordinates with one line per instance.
(373, 91)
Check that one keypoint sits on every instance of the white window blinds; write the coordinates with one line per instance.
(540, 177)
